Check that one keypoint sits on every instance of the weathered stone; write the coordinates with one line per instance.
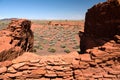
(38, 71)
(114, 72)
(33, 68)
(49, 67)
(92, 64)
(75, 63)
(98, 53)
(11, 70)
(27, 56)
(60, 73)
(100, 25)
(109, 76)
(26, 67)
(111, 49)
(85, 57)
(26, 72)
(97, 76)
(3, 69)
(58, 68)
(18, 65)
(6, 63)
(4, 77)
(78, 72)
(14, 74)
(44, 78)
(50, 75)
(98, 61)
(35, 61)
(83, 65)
(31, 76)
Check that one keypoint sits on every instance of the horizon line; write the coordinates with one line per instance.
(41, 19)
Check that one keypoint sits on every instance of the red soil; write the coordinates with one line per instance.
(50, 32)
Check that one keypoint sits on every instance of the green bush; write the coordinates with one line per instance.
(40, 47)
(76, 47)
(34, 50)
(67, 50)
(51, 49)
(63, 46)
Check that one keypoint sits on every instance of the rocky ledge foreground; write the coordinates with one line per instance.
(97, 64)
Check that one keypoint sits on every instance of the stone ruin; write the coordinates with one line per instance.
(102, 24)
(16, 39)
(100, 43)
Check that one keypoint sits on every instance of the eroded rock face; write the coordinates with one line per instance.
(16, 39)
(102, 23)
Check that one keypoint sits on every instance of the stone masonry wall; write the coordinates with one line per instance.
(102, 23)
(100, 63)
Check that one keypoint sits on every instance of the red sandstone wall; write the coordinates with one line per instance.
(102, 23)
(97, 64)
(103, 19)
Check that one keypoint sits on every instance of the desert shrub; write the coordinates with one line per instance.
(67, 50)
(36, 46)
(76, 47)
(75, 42)
(52, 43)
(40, 47)
(34, 50)
(63, 46)
(78, 50)
(52, 49)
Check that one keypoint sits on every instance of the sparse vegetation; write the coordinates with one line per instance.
(63, 46)
(4, 24)
(56, 39)
(76, 47)
(52, 50)
(67, 50)
(34, 50)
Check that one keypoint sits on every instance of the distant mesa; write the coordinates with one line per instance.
(8, 19)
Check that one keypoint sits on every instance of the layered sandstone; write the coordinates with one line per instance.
(16, 39)
(102, 23)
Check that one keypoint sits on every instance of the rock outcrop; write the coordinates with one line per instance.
(102, 23)
(16, 39)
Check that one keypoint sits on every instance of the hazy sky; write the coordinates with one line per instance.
(45, 9)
